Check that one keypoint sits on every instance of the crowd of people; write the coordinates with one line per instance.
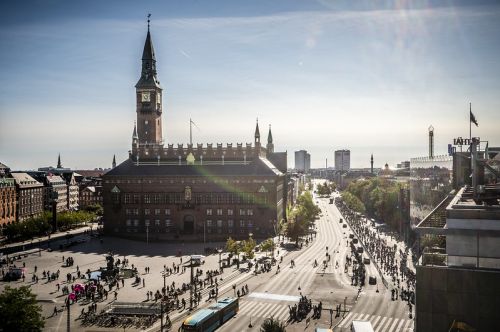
(391, 261)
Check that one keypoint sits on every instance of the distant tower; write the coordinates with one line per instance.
(431, 142)
(113, 165)
(59, 161)
(270, 145)
(149, 98)
(257, 134)
(371, 164)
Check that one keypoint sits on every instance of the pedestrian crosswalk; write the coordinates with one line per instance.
(264, 309)
(379, 323)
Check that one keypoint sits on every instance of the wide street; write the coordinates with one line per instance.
(270, 293)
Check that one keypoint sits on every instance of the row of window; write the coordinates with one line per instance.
(230, 212)
(167, 212)
(198, 198)
(208, 223)
(189, 181)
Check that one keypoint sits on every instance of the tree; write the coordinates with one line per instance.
(232, 246)
(20, 311)
(272, 325)
(267, 245)
(247, 246)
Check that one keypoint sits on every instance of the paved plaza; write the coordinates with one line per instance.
(270, 293)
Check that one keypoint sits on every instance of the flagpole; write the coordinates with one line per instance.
(470, 123)
(190, 132)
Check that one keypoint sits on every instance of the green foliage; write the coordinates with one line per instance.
(28, 228)
(69, 219)
(326, 189)
(247, 246)
(379, 197)
(353, 202)
(38, 226)
(301, 217)
(272, 325)
(20, 311)
(267, 245)
(232, 246)
(95, 208)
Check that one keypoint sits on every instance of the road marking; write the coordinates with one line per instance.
(385, 325)
(346, 318)
(276, 297)
(408, 324)
(380, 323)
(265, 309)
(395, 322)
(400, 326)
(374, 322)
(283, 314)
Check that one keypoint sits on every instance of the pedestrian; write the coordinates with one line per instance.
(55, 311)
(116, 295)
(143, 283)
(123, 282)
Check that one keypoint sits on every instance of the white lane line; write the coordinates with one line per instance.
(253, 307)
(277, 297)
(269, 311)
(283, 315)
(408, 324)
(374, 321)
(262, 310)
(354, 317)
(346, 318)
(400, 325)
(383, 327)
(256, 312)
(380, 323)
(393, 325)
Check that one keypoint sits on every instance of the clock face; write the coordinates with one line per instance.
(145, 97)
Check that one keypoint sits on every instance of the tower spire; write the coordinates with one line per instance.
(134, 134)
(270, 136)
(59, 161)
(257, 132)
(113, 165)
(371, 164)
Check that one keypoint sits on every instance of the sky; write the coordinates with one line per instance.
(369, 76)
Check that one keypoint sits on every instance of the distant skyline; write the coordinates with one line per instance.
(370, 77)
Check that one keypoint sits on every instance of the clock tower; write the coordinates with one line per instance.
(149, 99)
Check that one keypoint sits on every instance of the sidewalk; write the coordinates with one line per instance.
(18, 247)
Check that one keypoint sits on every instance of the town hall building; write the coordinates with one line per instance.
(191, 192)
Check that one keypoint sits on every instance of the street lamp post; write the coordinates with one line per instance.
(164, 275)
(147, 231)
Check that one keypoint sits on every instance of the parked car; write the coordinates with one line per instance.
(366, 260)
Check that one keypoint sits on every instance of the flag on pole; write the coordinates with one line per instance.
(473, 119)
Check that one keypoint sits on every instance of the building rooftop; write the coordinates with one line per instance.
(23, 180)
(256, 167)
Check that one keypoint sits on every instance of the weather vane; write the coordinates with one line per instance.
(149, 15)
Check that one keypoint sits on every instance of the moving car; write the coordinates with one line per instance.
(372, 280)
(366, 260)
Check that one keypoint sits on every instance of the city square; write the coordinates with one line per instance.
(193, 166)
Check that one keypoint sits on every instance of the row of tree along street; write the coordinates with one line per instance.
(377, 198)
(41, 225)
